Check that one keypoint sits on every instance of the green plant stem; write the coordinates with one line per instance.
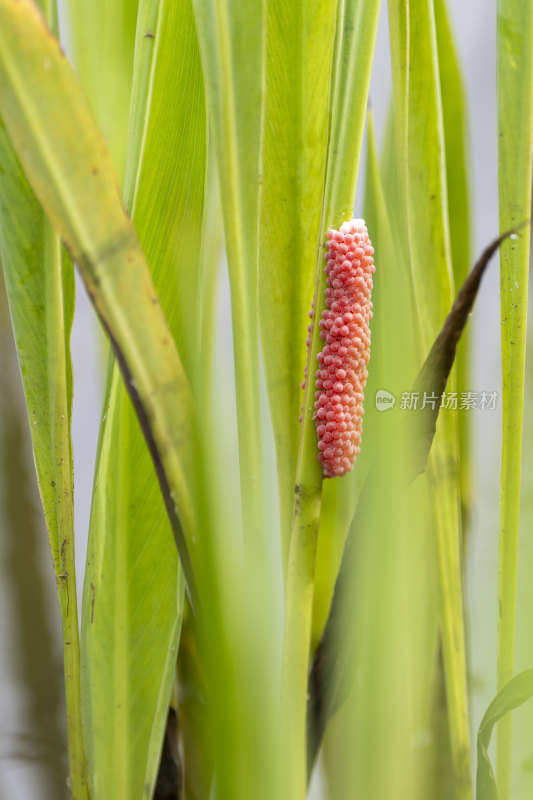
(451, 614)
(355, 38)
(230, 35)
(65, 565)
(65, 568)
(299, 599)
(515, 143)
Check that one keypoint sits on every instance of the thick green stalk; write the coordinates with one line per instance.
(64, 500)
(515, 144)
(355, 38)
(66, 579)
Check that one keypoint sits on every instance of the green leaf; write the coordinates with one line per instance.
(131, 624)
(102, 35)
(513, 694)
(515, 146)
(420, 143)
(232, 47)
(70, 170)
(455, 140)
(299, 55)
(40, 289)
(436, 370)
(330, 678)
(26, 586)
(356, 25)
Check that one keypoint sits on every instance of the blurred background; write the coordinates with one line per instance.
(32, 737)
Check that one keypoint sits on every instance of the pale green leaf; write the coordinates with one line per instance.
(516, 692)
(515, 146)
(455, 140)
(299, 55)
(69, 168)
(131, 623)
(232, 47)
(102, 36)
(420, 144)
(40, 288)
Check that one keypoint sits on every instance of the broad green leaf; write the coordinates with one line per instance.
(356, 24)
(231, 37)
(40, 289)
(299, 54)
(378, 645)
(516, 692)
(131, 624)
(328, 671)
(31, 651)
(455, 140)
(102, 36)
(420, 143)
(515, 146)
(241, 685)
(70, 171)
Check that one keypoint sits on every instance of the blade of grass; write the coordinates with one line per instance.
(511, 696)
(232, 44)
(212, 251)
(299, 54)
(355, 37)
(50, 276)
(40, 290)
(420, 141)
(41, 297)
(455, 140)
(102, 35)
(70, 171)
(131, 625)
(515, 145)
(232, 47)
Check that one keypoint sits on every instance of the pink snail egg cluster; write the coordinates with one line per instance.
(342, 371)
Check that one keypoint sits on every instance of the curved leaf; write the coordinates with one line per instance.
(70, 170)
(514, 694)
(131, 624)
